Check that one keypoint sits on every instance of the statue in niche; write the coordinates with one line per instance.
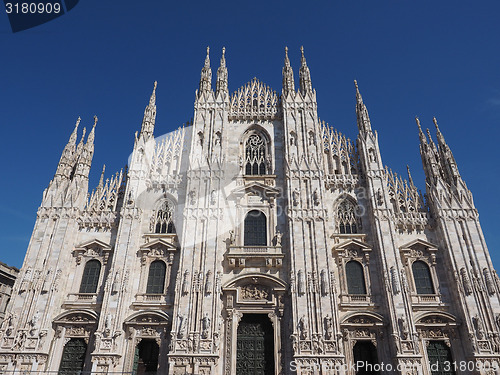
(231, 237)
(328, 327)
(303, 328)
(295, 197)
(182, 327)
(205, 325)
(316, 197)
(278, 238)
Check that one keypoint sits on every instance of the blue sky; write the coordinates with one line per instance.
(425, 58)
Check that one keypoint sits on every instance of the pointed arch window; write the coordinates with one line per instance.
(156, 277)
(90, 278)
(163, 220)
(256, 158)
(255, 229)
(422, 277)
(347, 221)
(355, 278)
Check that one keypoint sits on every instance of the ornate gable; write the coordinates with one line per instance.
(254, 100)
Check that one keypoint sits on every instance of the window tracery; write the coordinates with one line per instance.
(347, 221)
(256, 159)
(162, 220)
(90, 278)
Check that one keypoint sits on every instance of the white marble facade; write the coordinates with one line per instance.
(326, 213)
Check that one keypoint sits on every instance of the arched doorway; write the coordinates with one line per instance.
(255, 345)
(365, 358)
(146, 357)
(73, 357)
(439, 354)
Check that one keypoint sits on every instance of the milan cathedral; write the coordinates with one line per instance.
(255, 240)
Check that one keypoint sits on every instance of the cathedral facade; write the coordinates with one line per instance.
(255, 240)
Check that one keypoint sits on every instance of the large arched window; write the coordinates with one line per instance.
(156, 277)
(163, 220)
(422, 277)
(355, 278)
(90, 278)
(365, 352)
(73, 356)
(256, 158)
(255, 229)
(347, 221)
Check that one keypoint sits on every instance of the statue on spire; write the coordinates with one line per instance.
(304, 75)
(288, 83)
(222, 75)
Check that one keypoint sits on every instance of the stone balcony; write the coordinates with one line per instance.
(255, 256)
(75, 300)
(146, 300)
(426, 300)
(351, 300)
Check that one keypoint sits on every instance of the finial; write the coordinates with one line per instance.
(356, 84)
(95, 120)
(429, 134)
(223, 58)
(302, 59)
(155, 84)
(435, 123)
(102, 175)
(207, 59)
(418, 123)
(78, 121)
(302, 50)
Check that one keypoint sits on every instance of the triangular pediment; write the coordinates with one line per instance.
(158, 243)
(419, 244)
(93, 244)
(258, 188)
(353, 243)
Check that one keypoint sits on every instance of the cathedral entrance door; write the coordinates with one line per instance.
(365, 358)
(255, 346)
(146, 357)
(73, 357)
(439, 355)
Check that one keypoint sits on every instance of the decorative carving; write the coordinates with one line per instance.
(181, 332)
(324, 282)
(328, 327)
(295, 197)
(465, 281)
(395, 280)
(489, 282)
(185, 282)
(301, 283)
(205, 326)
(208, 283)
(254, 292)
(277, 238)
(303, 328)
(403, 328)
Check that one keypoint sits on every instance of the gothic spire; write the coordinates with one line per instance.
(364, 124)
(80, 144)
(304, 75)
(206, 76)
(448, 160)
(148, 122)
(421, 135)
(288, 84)
(101, 180)
(222, 75)
(90, 140)
(67, 154)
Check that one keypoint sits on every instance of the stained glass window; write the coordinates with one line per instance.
(73, 357)
(162, 220)
(440, 358)
(346, 217)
